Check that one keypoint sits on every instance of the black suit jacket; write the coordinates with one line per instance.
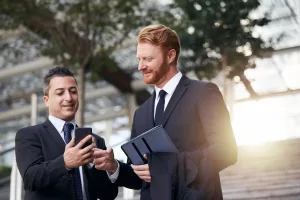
(198, 122)
(39, 156)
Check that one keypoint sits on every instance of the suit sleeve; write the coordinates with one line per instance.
(35, 171)
(99, 183)
(222, 149)
(127, 177)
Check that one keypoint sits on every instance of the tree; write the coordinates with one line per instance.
(219, 35)
(80, 34)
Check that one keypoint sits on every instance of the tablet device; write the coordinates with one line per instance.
(152, 141)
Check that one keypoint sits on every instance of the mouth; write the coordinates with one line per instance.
(68, 106)
(147, 74)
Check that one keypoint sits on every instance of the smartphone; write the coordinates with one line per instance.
(81, 133)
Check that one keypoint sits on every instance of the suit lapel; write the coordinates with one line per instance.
(58, 141)
(179, 91)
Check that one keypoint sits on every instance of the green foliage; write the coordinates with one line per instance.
(76, 33)
(216, 33)
(4, 171)
(83, 33)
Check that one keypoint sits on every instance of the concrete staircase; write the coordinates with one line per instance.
(268, 171)
(4, 191)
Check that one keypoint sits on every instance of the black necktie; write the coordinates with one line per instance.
(159, 114)
(68, 127)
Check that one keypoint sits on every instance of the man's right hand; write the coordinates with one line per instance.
(75, 156)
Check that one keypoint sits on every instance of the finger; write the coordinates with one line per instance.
(145, 156)
(109, 150)
(86, 149)
(142, 173)
(83, 141)
(146, 178)
(110, 154)
(100, 166)
(70, 144)
(88, 160)
(87, 156)
(98, 153)
(94, 141)
(98, 161)
(140, 167)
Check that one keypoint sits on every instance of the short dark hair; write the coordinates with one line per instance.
(55, 72)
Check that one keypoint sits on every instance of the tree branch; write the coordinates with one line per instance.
(292, 11)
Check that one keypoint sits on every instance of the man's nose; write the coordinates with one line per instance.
(141, 66)
(68, 96)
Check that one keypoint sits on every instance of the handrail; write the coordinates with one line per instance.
(13, 148)
(7, 151)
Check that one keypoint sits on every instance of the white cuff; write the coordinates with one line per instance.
(114, 177)
(91, 165)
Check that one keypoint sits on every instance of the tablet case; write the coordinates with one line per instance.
(152, 141)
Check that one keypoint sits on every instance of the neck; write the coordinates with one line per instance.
(167, 77)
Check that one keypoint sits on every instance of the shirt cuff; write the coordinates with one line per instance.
(113, 177)
(90, 165)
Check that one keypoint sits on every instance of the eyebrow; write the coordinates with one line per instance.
(144, 57)
(73, 87)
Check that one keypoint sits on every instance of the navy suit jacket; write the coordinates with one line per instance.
(39, 156)
(198, 122)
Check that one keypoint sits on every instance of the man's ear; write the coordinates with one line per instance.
(171, 56)
(46, 98)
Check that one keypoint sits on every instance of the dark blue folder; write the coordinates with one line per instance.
(152, 141)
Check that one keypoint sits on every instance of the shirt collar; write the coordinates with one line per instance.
(170, 86)
(59, 123)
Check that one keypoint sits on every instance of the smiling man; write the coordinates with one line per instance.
(195, 117)
(51, 165)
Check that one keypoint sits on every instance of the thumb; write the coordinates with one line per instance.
(145, 156)
(70, 144)
(109, 150)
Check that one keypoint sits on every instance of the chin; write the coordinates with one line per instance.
(69, 116)
(149, 80)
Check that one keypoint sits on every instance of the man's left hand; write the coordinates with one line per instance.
(142, 171)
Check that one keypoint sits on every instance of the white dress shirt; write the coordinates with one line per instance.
(169, 88)
(59, 124)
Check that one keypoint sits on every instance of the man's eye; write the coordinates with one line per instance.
(59, 94)
(149, 59)
(74, 92)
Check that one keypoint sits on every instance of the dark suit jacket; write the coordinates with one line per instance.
(39, 155)
(197, 121)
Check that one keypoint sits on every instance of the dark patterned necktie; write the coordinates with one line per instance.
(68, 127)
(159, 114)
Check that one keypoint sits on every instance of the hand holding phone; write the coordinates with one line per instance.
(81, 133)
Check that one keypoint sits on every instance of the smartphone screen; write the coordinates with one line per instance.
(81, 133)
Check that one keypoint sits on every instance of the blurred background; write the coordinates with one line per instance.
(249, 48)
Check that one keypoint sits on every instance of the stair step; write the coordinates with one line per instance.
(4, 192)
(262, 187)
(270, 194)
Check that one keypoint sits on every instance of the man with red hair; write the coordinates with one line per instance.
(194, 115)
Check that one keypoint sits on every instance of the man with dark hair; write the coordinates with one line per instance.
(195, 117)
(51, 165)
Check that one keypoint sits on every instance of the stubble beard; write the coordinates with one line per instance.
(157, 76)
